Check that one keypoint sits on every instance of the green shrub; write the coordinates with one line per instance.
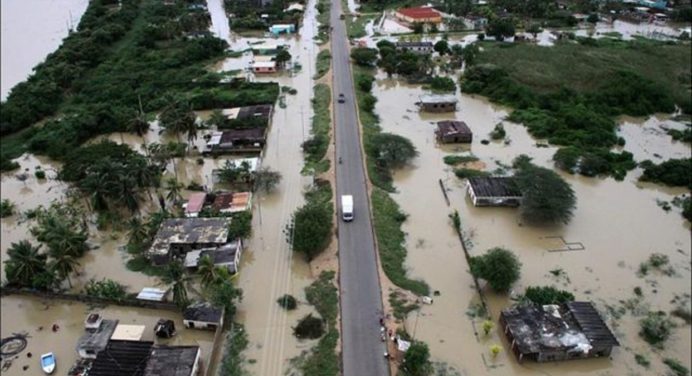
(309, 327)
(642, 360)
(673, 172)
(442, 84)
(105, 288)
(547, 198)
(498, 266)
(6, 208)
(677, 367)
(543, 295)
(40, 174)
(241, 225)
(656, 327)
(454, 160)
(498, 132)
(465, 173)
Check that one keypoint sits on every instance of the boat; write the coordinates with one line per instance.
(48, 363)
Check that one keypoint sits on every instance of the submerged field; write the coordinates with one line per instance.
(585, 67)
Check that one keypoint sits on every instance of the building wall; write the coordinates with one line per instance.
(439, 107)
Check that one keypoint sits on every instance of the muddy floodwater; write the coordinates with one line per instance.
(35, 317)
(618, 224)
(31, 29)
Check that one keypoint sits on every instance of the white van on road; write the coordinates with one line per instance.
(347, 208)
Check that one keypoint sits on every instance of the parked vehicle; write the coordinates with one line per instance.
(347, 208)
(342, 98)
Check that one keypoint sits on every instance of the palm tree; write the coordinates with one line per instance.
(25, 261)
(175, 277)
(174, 188)
(59, 233)
(207, 271)
(137, 231)
(63, 264)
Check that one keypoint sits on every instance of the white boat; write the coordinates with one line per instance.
(48, 363)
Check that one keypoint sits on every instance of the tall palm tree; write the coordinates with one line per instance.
(174, 188)
(59, 233)
(174, 276)
(207, 271)
(137, 231)
(24, 262)
(63, 264)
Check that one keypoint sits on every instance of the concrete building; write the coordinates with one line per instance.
(422, 48)
(419, 15)
(202, 316)
(177, 236)
(449, 131)
(438, 103)
(494, 191)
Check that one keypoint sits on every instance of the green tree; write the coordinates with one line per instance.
(174, 189)
(62, 263)
(60, 228)
(282, 57)
(106, 288)
(364, 56)
(656, 327)
(287, 302)
(534, 29)
(498, 266)
(442, 47)
(218, 119)
(417, 360)
(225, 294)
(6, 208)
(25, 261)
(500, 28)
(178, 118)
(469, 54)
(392, 150)
(241, 225)
(207, 271)
(418, 27)
(547, 198)
(265, 180)
(137, 232)
(176, 278)
(311, 229)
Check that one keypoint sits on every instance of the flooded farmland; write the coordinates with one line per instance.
(619, 225)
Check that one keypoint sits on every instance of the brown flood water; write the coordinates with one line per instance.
(26, 314)
(618, 223)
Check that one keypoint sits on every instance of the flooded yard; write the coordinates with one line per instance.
(619, 224)
(35, 317)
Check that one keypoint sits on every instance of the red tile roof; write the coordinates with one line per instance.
(419, 12)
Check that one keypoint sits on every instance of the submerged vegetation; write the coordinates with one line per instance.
(576, 108)
(315, 148)
(498, 266)
(311, 228)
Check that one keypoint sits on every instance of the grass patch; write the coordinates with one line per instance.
(454, 160)
(677, 367)
(141, 264)
(324, 60)
(324, 9)
(322, 359)
(642, 360)
(400, 306)
(390, 242)
(316, 147)
(356, 29)
(233, 359)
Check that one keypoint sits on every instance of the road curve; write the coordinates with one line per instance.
(361, 302)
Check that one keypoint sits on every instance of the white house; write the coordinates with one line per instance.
(202, 316)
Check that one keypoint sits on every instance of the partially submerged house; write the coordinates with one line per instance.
(419, 15)
(252, 165)
(451, 131)
(267, 49)
(122, 358)
(194, 204)
(245, 140)
(232, 202)
(263, 66)
(416, 47)
(475, 22)
(494, 191)
(95, 340)
(438, 103)
(173, 361)
(573, 330)
(152, 294)
(202, 316)
(282, 29)
(177, 236)
(228, 256)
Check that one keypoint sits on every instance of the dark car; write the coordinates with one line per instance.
(342, 99)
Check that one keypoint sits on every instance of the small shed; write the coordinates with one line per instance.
(164, 328)
(194, 204)
(202, 316)
(438, 103)
(237, 140)
(125, 332)
(494, 191)
(416, 47)
(452, 131)
(152, 294)
(227, 202)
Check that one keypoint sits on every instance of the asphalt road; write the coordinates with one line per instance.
(361, 304)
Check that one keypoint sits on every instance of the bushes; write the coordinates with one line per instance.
(498, 266)
(364, 56)
(364, 82)
(241, 225)
(656, 327)
(465, 173)
(442, 84)
(287, 302)
(594, 162)
(543, 295)
(315, 148)
(677, 367)
(309, 327)
(673, 172)
(105, 288)
(454, 160)
(6, 208)
(324, 59)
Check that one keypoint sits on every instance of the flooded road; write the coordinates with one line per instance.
(36, 317)
(618, 223)
(269, 268)
(31, 29)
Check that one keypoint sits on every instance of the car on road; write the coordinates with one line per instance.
(342, 98)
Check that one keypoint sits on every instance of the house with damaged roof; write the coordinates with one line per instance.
(573, 330)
